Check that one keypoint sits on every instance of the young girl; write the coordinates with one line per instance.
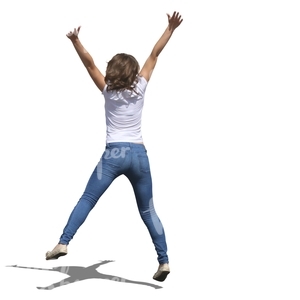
(123, 88)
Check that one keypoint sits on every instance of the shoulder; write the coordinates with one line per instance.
(142, 83)
(104, 91)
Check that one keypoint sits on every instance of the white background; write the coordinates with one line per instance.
(221, 125)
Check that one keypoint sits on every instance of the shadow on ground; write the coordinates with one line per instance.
(83, 273)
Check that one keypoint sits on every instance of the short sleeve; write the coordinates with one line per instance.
(141, 85)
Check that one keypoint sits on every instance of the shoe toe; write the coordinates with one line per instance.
(161, 276)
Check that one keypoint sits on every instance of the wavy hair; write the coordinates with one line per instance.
(122, 72)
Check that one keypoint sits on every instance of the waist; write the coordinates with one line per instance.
(134, 137)
(124, 144)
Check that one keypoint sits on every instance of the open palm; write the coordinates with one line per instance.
(174, 21)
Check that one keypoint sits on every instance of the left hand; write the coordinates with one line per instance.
(73, 35)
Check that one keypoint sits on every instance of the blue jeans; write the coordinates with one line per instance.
(127, 159)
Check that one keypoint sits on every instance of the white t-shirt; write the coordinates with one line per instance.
(123, 112)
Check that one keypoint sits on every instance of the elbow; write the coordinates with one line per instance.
(89, 64)
(154, 54)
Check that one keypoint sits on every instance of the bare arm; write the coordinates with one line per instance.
(150, 63)
(87, 59)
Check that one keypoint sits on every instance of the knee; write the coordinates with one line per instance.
(89, 198)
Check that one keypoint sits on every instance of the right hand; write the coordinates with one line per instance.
(174, 21)
(73, 35)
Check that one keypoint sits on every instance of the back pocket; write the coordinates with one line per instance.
(144, 163)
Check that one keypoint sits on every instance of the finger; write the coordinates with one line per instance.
(75, 32)
(178, 18)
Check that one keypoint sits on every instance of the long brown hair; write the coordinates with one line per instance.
(122, 72)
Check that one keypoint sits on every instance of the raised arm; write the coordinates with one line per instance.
(150, 63)
(87, 59)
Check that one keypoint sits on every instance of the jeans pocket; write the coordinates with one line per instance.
(144, 163)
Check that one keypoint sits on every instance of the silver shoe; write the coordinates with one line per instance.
(59, 250)
(162, 272)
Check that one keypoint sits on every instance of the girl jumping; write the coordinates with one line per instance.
(123, 88)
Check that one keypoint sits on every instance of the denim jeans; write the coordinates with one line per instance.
(127, 159)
